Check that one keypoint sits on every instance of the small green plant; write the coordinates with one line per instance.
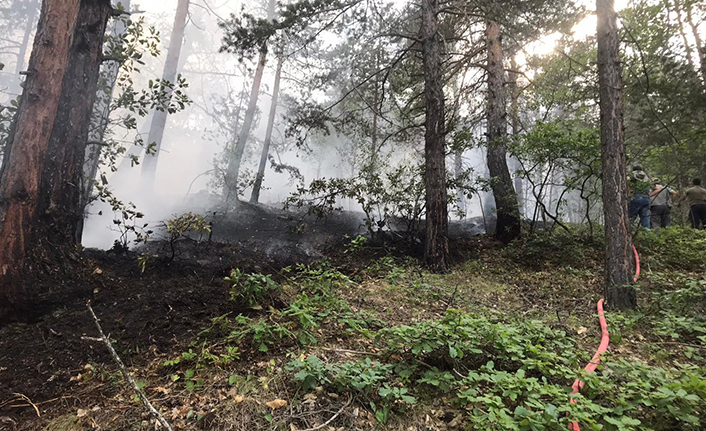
(252, 289)
(310, 372)
(143, 260)
(356, 244)
(386, 267)
(183, 227)
(264, 334)
(126, 221)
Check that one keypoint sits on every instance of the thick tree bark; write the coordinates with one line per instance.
(159, 119)
(99, 123)
(255, 196)
(231, 189)
(619, 256)
(508, 225)
(437, 224)
(41, 173)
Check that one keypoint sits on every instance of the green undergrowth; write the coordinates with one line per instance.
(674, 248)
(509, 375)
(466, 342)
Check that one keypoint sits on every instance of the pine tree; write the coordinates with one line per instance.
(42, 168)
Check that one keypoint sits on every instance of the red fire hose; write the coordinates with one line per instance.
(637, 264)
(591, 367)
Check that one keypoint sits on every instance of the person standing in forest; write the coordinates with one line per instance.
(640, 186)
(696, 196)
(661, 199)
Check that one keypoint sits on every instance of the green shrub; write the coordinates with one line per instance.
(556, 248)
(674, 247)
(252, 289)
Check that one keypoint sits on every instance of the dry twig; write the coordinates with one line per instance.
(146, 402)
(353, 352)
(325, 424)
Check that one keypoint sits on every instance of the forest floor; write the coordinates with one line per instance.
(361, 337)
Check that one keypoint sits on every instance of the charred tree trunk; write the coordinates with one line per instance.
(437, 224)
(231, 188)
(619, 260)
(159, 119)
(41, 173)
(99, 123)
(508, 225)
(255, 196)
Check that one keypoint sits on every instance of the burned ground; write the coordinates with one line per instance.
(184, 306)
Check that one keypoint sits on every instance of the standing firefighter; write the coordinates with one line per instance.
(661, 205)
(696, 196)
(640, 187)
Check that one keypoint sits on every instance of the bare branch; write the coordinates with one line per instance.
(158, 416)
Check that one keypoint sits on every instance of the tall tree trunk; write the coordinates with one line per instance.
(99, 122)
(231, 188)
(376, 103)
(618, 244)
(700, 49)
(24, 45)
(437, 224)
(255, 196)
(682, 32)
(41, 172)
(508, 213)
(515, 125)
(458, 173)
(159, 119)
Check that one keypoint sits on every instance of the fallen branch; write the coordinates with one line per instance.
(353, 352)
(17, 397)
(325, 424)
(127, 375)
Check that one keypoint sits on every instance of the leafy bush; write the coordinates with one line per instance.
(475, 340)
(183, 227)
(310, 372)
(557, 248)
(384, 196)
(252, 289)
(264, 334)
(674, 247)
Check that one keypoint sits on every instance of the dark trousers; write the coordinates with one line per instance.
(660, 216)
(698, 216)
(640, 206)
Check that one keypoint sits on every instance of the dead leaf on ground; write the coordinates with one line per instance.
(239, 399)
(81, 413)
(581, 330)
(276, 404)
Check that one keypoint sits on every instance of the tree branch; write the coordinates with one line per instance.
(127, 375)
